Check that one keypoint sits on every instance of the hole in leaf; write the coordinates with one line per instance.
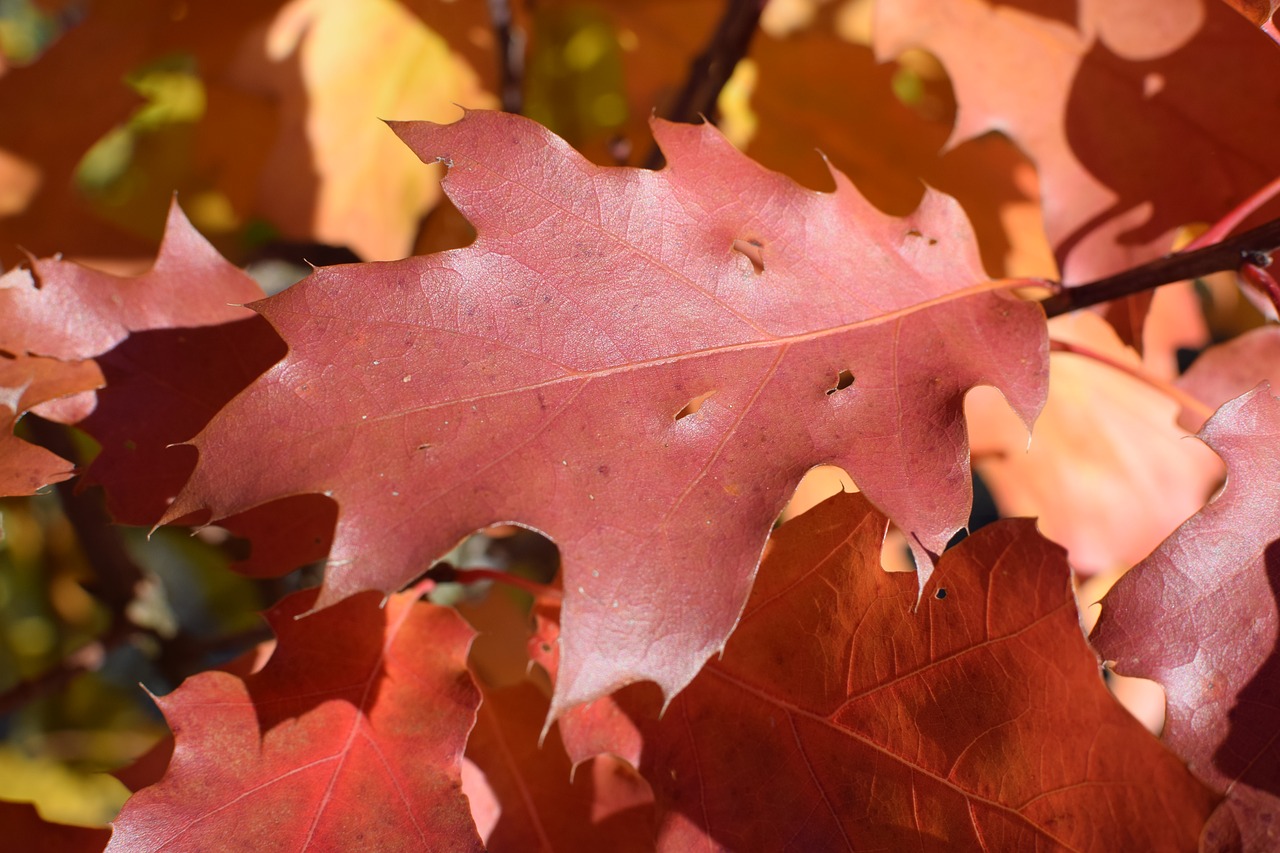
(754, 251)
(940, 594)
(843, 381)
(693, 405)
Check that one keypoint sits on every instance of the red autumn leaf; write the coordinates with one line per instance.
(841, 717)
(642, 365)
(351, 737)
(1229, 369)
(76, 313)
(1141, 117)
(547, 804)
(1199, 616)
(25, 382)
(175, 345)
(163, 386)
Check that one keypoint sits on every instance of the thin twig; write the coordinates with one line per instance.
(713, 67)
(1251, 247)
(510, 44)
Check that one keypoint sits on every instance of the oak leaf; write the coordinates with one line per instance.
(546, 803)
(1227, 370)
(1199, 616)
(74, 312)
(640, 364)
(351, 737)
(841, 717)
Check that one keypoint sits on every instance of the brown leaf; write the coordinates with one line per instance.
(841, 717)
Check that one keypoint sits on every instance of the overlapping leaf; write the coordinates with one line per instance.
(1108, 474)
(641, 365)
(842, 718)
(26, 382)
(544, 803)
(1200, 617)
(351, 737)
(1229, 369)
(56, 321)
(1187, 80)
(74, 312)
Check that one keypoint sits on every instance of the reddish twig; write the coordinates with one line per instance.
(446, 573)
(1264, 281)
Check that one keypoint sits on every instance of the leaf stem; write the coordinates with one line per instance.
(445, 573)
(1251, 247)
(1264, 281)
(1191, 403)
(1224, 226)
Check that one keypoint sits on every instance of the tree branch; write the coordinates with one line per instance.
(509, 44)
(712, 68)
(1250, 248)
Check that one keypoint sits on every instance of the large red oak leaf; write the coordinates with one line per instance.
(1141, 116)
(842, 718)
(350, 738)
(549, 375)
(1200, 616)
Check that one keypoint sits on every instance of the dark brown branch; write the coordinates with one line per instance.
(115, 574)
(115, 581)
(712, 68)
(509, 45)
(1252, 247)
